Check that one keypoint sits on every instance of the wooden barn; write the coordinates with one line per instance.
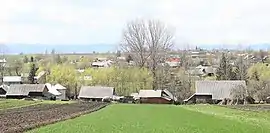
(156, 97)
(214, 91)
(96, 93)
(19, 91)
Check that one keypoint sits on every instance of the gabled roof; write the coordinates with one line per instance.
(24, 89)
(12, 78)
(156, 93)
(218, 89)
(4, 87)
(171, 96)
(59, 87)
(96, 92)
(52, 90)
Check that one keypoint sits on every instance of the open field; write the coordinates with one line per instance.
(29, 117)
(252, 107)
(13, 103)
(5, 104)
(121, 118)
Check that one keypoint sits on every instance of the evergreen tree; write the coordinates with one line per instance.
(225, 70)
(32, 73)
(32, 59)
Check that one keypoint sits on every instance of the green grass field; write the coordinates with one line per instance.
(5, 104)
(12, 103)
(164, 119)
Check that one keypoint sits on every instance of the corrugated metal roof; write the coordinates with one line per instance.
(218, 89)
(96, 92)
(12, 79)
(24, 89)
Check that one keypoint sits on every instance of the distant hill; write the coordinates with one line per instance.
(102, 48)
(41, 48)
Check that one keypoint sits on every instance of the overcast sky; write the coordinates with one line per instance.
(101, 21)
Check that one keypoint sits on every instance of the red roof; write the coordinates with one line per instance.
(173, 60)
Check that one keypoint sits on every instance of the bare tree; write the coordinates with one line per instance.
(148, 41)
(239, 93)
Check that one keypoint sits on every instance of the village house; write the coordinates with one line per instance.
(100, 64)
(19, 91)
(156, 97)
(202, 71)
(209, 91)
(96, 93)
(62, 91)
(173, 62)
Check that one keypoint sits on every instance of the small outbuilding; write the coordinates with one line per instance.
(62, 91)
(96, 93)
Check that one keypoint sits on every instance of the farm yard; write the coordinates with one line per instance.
(124, 118)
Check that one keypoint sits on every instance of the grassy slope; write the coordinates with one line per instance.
(153, 119)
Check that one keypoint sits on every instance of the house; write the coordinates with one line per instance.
(173, 62)
(62, 91)
(96, 93)
(100, 64)
(215, 90)
(18, 91)
(52, 90)
(8, 80)
(156, 96)
(202, 71)
(86, 78)
(121, 58)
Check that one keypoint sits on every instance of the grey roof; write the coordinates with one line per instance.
(24, 89)
(218, 89)
(171, 96)
(96, 92)
(156, 93)
(12, 78)
(150, 93)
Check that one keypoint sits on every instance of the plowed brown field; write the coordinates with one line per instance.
(25, 118)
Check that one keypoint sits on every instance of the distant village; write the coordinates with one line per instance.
(198, 65)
